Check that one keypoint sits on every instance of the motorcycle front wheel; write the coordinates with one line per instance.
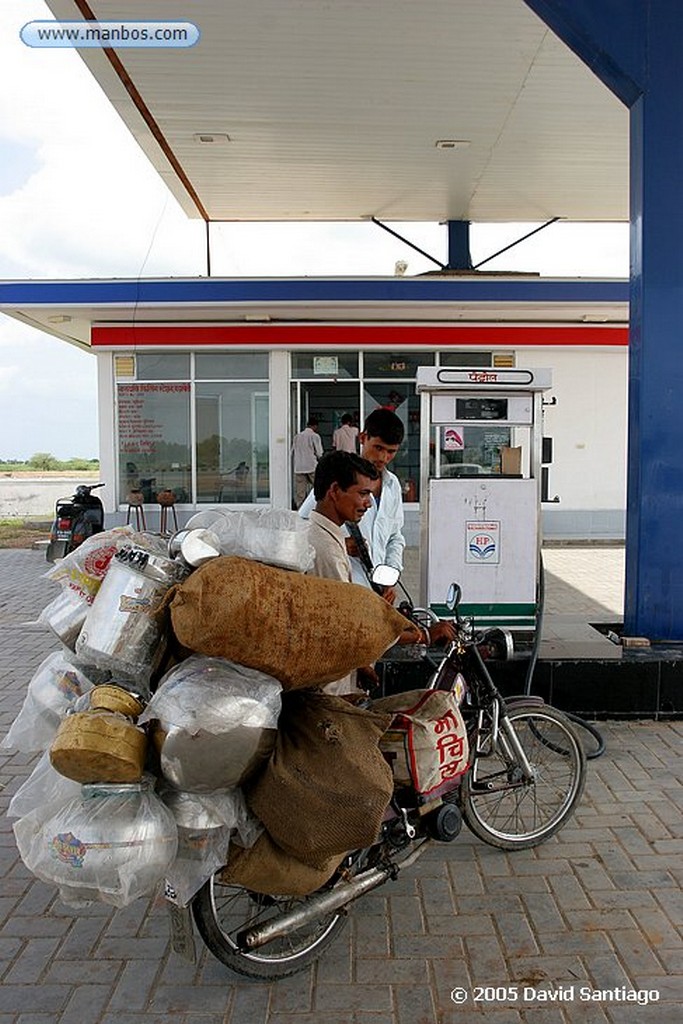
(510, 812)
(223, 911)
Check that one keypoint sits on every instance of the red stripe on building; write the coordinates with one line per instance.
(357, 336)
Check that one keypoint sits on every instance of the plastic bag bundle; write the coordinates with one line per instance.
(44, 789)
(55, 686)
(124, 629)
(275, 536)
(205, 823)
(110, 844)
(217, 723)
(65, 616)
(84, 568)
(80, 574)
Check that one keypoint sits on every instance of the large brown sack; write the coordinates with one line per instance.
(267, 869)
(303, 630)
(327, 784)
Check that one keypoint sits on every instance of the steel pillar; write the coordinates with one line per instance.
(634, 46)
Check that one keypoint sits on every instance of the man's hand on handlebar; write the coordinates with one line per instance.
(442, 632)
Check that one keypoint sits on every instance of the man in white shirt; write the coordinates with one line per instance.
(307, 449)
(345, 437)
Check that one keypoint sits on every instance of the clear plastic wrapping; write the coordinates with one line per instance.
(53, 690)
(44, 789)
(84, 568)
(112, 844)
(206, 822)
(124, 629)
(217, 722)
(272, 535)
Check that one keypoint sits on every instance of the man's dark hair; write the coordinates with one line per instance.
(386, 425)
(342, 468)
(347, 418)
(312, 421)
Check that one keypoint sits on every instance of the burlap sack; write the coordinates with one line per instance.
(303, 630)
(267, 869)
(426, 743)
(327, 785)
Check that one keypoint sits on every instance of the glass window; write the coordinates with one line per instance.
(232, 443)
(324, 364)
(464, 358)
(478, 450)
(154, 440)
(231, 366)
(395, 364)
(163, 366)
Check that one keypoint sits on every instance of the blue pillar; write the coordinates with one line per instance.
(459, 245)
(634, 46)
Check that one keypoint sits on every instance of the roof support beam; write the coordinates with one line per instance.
(406, 242)
(516, 242)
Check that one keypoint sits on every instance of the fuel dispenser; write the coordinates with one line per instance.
(480, 474)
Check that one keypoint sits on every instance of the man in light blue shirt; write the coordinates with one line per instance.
(382, 524)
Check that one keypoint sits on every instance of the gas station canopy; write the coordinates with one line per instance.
(468, 110)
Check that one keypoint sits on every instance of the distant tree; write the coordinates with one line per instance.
(43, 460)
(79, 464)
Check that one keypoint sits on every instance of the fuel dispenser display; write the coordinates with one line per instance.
(480, 466)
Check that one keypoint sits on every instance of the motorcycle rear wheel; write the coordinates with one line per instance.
(222, 911)
(514, 815)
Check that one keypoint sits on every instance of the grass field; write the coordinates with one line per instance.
(23, 533)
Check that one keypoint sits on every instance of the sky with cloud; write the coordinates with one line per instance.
(78, 199)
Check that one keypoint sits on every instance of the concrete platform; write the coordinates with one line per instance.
(579, 669)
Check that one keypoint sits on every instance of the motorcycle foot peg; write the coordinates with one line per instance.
(444, 823)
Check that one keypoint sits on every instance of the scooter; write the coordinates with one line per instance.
(76, 518)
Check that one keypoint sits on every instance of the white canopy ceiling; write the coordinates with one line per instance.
(333, 110)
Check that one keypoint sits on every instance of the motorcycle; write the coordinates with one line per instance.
(526, 774)
(76, 518)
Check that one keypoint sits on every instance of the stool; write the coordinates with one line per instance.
(166, 501)
(136, 507)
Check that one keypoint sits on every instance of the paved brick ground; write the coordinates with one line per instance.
(598, 909)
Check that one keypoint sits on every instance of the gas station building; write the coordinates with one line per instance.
(203, 383)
